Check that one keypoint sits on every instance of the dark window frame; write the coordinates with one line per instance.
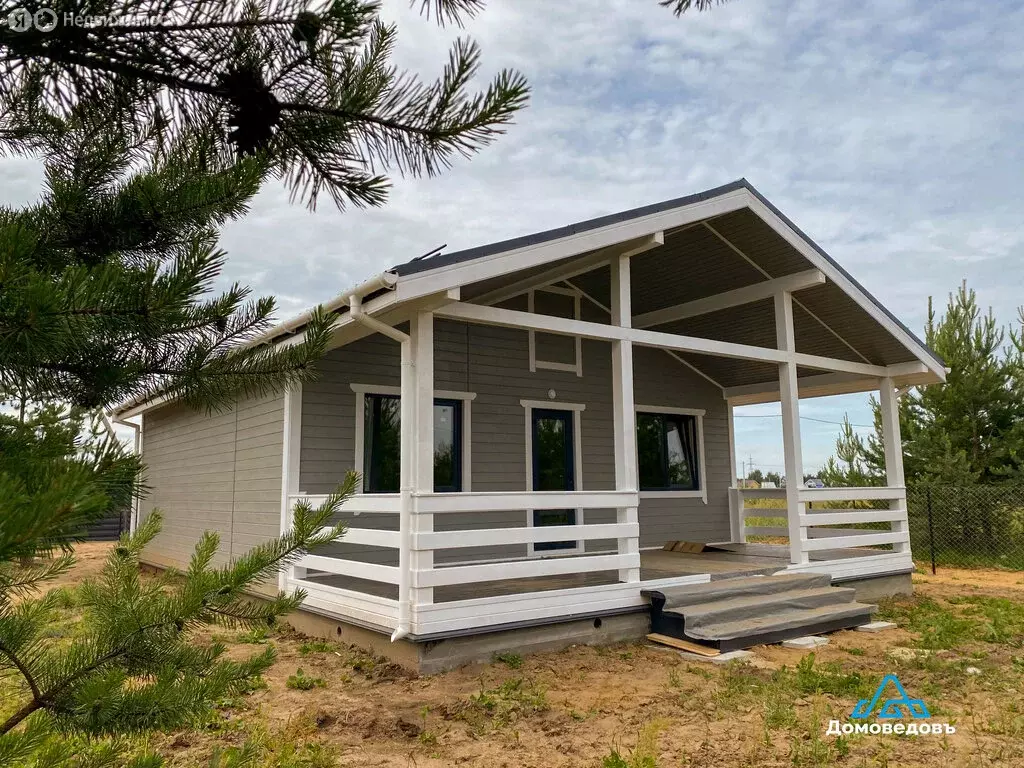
(457, 447)
(371, 462)
(685, 423)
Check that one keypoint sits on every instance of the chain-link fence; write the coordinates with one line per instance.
(977, 526)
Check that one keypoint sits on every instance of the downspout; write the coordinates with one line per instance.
(407, 403)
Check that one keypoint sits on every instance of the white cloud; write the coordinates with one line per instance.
(888, 130)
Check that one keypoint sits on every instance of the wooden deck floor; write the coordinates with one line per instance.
(724, 561)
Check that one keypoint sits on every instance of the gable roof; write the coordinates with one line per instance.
(431, 274)
(440, 261)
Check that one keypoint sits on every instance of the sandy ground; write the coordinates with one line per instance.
(571, 708)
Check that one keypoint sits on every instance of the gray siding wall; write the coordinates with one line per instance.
(494, 363)
(219, 472)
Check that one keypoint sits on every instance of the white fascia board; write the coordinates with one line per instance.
(581, 266)
(538, 254)
(810, 253)
(734, 298)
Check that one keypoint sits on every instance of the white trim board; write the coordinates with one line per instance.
(467, 398)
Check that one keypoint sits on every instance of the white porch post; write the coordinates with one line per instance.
(789, 397)
(407, 417)
(423, 464)
(893, 443)
(737, 525)
(623, 409)
(291, 446)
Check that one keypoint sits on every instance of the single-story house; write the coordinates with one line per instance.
(535, 419)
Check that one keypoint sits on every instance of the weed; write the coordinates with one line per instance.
(316, 646)
(856, 651)
(300, 681)
(827, 678)
(505, 704)
(509, 659)
(280, 750)
(255, 636)
(643, 755)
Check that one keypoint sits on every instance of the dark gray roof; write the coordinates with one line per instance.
(423, 264)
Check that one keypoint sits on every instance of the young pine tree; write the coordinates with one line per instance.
(107, 295)
(967, 431)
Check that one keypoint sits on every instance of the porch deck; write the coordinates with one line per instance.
(723, 561)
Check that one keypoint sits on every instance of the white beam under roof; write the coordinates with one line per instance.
(580, 266)
(821, 385)
(734, 298)
(510, 318)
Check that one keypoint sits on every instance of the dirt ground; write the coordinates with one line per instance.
(643, 706)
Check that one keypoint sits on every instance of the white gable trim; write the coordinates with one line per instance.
(537, 254)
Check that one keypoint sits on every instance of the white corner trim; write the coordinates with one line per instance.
(362, 390)
(554, 405)
(291, 449)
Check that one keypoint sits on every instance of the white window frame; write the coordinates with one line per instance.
(466, 398)
(702, 479)
(577, 454)
(536, 364)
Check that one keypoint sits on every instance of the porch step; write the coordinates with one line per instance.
(720, 612)
(724, 589)
(739, 613)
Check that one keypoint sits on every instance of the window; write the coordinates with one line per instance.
(382, 444)
(668, 452)
(549, 351)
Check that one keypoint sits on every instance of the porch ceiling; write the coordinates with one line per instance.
(721, 254)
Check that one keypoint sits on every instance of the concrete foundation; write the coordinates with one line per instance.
(433, 656)
(438, 655)
(872, 589)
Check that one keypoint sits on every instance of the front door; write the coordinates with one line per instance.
(554, 461)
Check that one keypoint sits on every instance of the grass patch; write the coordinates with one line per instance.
(317, 646)
(300, 681)
(503, 705)
(255, 636)
(961, 620)
(741, 688)
(510, 660)
(643, 755)
(290, 748)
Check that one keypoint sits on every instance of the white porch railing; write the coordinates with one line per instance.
(815, 523)
(430, 617)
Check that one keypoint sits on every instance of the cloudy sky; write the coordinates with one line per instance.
(888, 130)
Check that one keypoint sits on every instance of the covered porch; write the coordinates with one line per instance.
(426, 591)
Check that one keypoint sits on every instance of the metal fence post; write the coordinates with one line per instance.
(931, 527)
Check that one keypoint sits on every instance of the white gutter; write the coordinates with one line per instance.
(383, 281)
(407, 403)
